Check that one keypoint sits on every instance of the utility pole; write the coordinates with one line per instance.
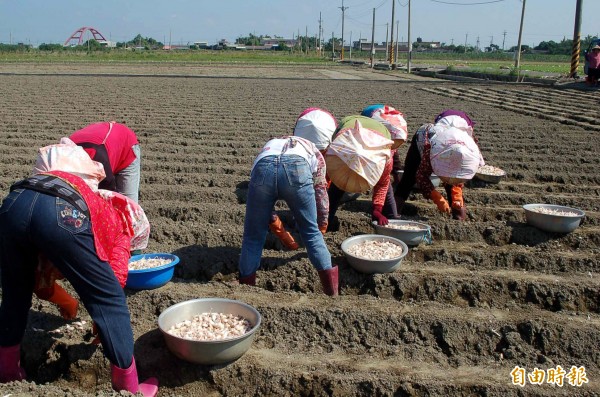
(392, 63)
(518, 55)
(332, 46)
(397, 34)
(306, 37)
(350, 46)
(503, 39)
(477, 45)
(343, 12)
(466, 37)
(320, 27)
(409, 42)
(576, 40)
(387, 41)
(373, 41)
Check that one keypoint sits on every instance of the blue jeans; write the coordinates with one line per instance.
(33, 222)
(289, 178)
(128, 179)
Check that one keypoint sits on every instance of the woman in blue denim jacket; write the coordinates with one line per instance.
(289, 168)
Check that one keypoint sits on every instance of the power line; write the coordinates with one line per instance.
(468, 4)
(361, 22)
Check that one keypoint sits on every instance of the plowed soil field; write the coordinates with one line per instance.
(488, 295)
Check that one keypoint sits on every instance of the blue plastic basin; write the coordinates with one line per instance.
(153, 277)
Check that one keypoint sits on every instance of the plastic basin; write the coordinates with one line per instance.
(412, 238)
(370, 266)
(153, 277)
(208, 352)
(490, 178)
(550, 222)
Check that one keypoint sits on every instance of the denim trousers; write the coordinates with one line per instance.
(128, 179)
(288, 178)
(31, 223)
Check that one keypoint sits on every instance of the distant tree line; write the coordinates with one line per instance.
(564, 47)
(303, 44)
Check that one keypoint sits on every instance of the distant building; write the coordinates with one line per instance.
(108, 43)
(175, 47)
(201, 44)
(269, 42)
(364, 45)
(430, 44)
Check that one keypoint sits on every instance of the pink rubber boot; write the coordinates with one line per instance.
(329, 281)
(10, 364)
(248, 280)
(127, 379)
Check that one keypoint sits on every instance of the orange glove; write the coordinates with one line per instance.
(457, 197)
(284, 236)
(323, 229)
(66, 303)
(45, 288)
(440, 201)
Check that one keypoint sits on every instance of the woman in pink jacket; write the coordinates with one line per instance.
(593, 59)
(56, 214)
(117, 148)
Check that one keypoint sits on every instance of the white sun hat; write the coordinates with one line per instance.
(454, 154)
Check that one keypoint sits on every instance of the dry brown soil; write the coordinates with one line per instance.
(489, 294)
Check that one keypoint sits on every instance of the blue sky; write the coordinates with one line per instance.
(186, 21)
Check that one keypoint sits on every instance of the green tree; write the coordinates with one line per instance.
(50, 47)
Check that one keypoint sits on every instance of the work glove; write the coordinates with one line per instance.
(323, 229)
(456, 197)
(276, 226)
(46, 288)
(459, 211)
(66, 303)
(440, 201)
(376, 215)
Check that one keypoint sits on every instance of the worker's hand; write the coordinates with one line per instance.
(457, 197)
(441, 202)
(323, 228)
(284, 236)
(378, 216)
(67, 305)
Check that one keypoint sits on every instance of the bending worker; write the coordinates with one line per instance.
(58, 214)
(292, 169)
(117, 148)
(446, 148)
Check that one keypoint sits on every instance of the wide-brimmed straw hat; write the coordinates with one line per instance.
(357, 156)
